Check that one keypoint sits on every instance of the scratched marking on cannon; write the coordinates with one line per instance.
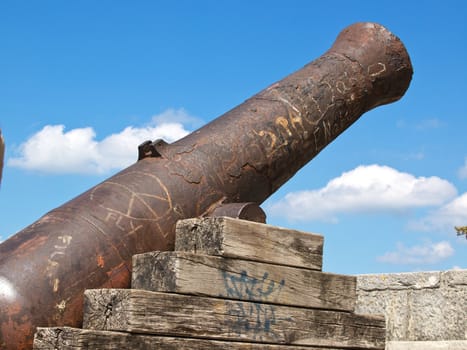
(254, 318)
(297, 122)
(54, 260)
(53, 264)
(121, 213)
(376, 69)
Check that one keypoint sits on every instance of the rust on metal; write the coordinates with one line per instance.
(151, 148)
(241, 157)
(245, 211)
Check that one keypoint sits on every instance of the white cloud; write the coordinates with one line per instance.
(54, 150)
(424, 124)
(432, 123)
(179, 115)
(426, 253)
(364, 189)
(444, 218)
(462, 172)
(414, 156)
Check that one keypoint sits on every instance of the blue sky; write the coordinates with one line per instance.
(83, 83)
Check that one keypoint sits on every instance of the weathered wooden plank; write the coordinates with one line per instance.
(188, 273)
(248, 240)
(65, 338)
(139, 311)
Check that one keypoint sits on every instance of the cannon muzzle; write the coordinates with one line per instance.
(241, 157)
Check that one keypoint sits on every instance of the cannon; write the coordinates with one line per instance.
(241, 157)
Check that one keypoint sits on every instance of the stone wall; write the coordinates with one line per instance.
(425, 307)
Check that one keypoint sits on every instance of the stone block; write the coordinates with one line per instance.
(421, 306)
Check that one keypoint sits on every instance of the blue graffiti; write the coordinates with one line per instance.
(254, 318)
(251, 288)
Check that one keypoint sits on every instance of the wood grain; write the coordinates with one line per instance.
(187, 273)
(66, 338)
(248, 240)
(139, 311)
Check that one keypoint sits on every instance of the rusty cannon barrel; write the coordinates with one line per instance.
(241, 157)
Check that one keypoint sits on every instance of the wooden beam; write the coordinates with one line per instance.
(145, 312)
(66, 338)
(187, 273)
(248, 240)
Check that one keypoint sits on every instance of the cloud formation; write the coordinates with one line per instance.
(444, 218)
(55, 150)
(425, 124)
(462, 172)
(180, 115)
(426, 253)
(371, 188)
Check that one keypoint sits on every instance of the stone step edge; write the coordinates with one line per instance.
(427, 345)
